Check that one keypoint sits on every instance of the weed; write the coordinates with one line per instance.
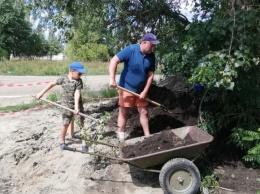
(209, 184)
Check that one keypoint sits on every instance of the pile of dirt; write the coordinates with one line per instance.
(174, 94)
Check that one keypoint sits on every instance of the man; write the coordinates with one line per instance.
(137, 76)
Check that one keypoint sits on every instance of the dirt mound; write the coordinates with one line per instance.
(172, 93)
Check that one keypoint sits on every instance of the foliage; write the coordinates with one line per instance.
(108, 93)
(97, 137)
(16, 35)
(54, 46)
(3, 54)
(87, 43)
(118, 23)
(54, 97)
(248, 140)
(220, 52)
(86, 52)
(209, 183)
(22, 107)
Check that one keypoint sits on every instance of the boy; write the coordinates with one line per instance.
(71, 97)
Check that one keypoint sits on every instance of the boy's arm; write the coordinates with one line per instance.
(77, 98)
(48, 87)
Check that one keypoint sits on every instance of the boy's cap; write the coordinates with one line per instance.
(151, 38)
(77, 66)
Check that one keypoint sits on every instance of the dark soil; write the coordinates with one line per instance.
(165, 140)
(182, 103)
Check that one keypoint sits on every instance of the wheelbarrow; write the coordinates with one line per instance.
(178, 175)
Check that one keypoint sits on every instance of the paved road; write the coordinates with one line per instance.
(15, 90)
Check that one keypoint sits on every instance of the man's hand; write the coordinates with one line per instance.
(142, 95)
(112, 83)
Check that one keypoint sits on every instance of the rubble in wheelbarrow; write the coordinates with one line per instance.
(155, 143)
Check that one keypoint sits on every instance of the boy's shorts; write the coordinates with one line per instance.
(129, 100)
(67, 116)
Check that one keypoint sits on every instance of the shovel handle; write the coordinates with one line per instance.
(56, 104)
(135, 94)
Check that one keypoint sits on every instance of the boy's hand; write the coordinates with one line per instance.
(76, 111)
(38, 96)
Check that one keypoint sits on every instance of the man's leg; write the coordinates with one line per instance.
(122, 117)
(143, 111)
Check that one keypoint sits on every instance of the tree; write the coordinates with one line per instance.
(15, 29)
(54, 45)
(16, 35)
(88, 40)
(218, 49)
(117, 22)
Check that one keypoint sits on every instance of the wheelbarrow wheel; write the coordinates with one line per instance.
(179, 176)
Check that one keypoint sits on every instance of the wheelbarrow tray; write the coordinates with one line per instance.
(200, 138)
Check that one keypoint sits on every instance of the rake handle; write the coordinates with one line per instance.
(89, 117)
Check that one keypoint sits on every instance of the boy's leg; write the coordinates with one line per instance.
(70, 129)
(63, 133)
(66, 119)
(81, 128)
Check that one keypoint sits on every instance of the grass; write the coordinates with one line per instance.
(50, 68)
(21, 107)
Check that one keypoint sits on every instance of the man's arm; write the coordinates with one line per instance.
(48, 87)
(112, 71)
(149, 82)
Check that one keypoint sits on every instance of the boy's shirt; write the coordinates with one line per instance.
(68, 90)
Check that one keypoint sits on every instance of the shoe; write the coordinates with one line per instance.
(121, 136)
(63, 146)
(84, 148)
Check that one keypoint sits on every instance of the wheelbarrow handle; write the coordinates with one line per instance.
(56, 104)
(147, 99)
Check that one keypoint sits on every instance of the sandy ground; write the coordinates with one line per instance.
(31, 160)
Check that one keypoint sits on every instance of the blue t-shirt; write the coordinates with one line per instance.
(136, 67)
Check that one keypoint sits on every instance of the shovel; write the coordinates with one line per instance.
(148, 100)
(56, 104)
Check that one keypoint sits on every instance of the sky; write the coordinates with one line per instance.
(186, 9)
